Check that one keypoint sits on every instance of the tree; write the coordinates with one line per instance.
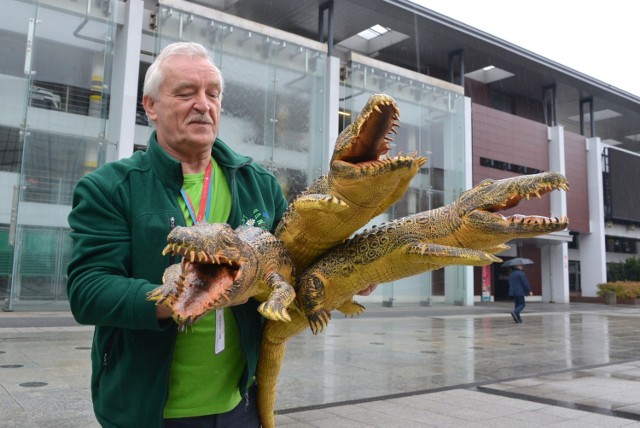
(629, 270)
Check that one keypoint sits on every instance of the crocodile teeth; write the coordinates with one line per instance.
(376, 108)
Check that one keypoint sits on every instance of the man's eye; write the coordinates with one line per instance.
(214, 95)
(184, 95)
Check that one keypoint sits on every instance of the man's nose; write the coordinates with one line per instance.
(201, 103)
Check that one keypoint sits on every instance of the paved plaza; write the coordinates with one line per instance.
(567, 365)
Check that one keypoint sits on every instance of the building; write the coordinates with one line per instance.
(295, 70)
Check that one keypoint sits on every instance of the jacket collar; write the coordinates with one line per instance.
(170, 171)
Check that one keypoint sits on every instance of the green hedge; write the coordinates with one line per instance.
(628, 270)
(623, 289)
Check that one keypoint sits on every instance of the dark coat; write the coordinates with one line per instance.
(121, 215)
(518, 284)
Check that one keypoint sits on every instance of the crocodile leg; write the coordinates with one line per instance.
(281, 296)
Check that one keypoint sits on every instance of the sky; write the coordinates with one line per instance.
(598, 38)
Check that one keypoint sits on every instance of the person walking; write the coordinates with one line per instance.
(518, 288)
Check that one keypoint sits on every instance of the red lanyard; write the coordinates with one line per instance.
(205, 198)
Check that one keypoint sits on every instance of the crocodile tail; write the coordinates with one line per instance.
(271, 358)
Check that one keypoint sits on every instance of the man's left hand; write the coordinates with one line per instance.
(368, 290)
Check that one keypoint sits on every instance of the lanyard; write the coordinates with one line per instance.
(203, 211)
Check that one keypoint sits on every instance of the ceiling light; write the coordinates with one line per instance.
(373, 32)
(372, 40)
(611, 142)
(488, 74)
(634, 137)
(597, 115)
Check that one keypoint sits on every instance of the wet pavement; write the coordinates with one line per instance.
(567, 365)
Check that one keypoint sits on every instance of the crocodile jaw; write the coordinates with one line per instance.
(217, 270)
(205, 287)
(366, 138)
(481, 225)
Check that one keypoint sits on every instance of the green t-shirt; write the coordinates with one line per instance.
(202, 382)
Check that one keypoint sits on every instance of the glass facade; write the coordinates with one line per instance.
(54, 78)
(273, 104)
(431, 125)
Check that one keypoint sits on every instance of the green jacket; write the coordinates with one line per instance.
(120, 219)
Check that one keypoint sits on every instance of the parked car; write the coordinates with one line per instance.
(43, 98)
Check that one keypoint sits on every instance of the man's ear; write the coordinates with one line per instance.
(149, 107)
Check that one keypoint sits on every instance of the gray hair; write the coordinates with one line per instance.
(153, 78)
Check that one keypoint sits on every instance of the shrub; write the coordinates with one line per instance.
(628, 270)
(623, 289)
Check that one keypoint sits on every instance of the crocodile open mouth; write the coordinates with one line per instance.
(206, 282)
(369, 136)
(501, 195)
(537, 190)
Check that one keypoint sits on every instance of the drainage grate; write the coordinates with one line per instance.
(11, 366)
(33, 384)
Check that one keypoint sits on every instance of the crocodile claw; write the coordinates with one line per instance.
(274, 313)
(319, 320)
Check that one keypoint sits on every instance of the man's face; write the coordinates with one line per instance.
(187, 110)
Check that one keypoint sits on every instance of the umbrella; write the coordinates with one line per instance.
(517, 261)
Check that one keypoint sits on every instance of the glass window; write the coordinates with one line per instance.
(273, 105)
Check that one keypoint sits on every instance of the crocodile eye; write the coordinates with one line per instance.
(486, 182)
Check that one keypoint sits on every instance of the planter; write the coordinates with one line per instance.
(610, 298)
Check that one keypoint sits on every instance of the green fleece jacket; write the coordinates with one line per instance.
(121, 215)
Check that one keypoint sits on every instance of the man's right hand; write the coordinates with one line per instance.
(163, 312)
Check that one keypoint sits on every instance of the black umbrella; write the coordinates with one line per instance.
(517, 261)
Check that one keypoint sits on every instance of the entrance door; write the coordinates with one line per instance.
(501, 275)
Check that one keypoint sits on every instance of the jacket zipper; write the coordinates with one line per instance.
(107, 354)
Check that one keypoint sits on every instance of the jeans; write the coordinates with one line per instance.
(244, 415)
(519, 305)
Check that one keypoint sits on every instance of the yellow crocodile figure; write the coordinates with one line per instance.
(363, 182)
(223, 267)
(322, 216)
(466, 232)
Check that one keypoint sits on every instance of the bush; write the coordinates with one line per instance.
(623, 289)
(629, 270)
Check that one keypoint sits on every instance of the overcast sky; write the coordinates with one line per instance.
(598, 38)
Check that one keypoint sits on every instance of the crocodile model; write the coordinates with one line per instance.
(223, 267)
(361, 184)
(466, 232)
(322, 216)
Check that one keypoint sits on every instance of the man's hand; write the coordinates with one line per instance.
(163, 312)
(368, 290)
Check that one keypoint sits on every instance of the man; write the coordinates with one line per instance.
(518, 288)
(145, 373)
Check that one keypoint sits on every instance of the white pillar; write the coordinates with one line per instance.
(124, 82)
(593, 262)
(555, 258)
(458, 288)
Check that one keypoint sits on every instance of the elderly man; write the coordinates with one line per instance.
(145, 373)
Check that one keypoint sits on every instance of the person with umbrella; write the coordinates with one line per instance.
(518, 286)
